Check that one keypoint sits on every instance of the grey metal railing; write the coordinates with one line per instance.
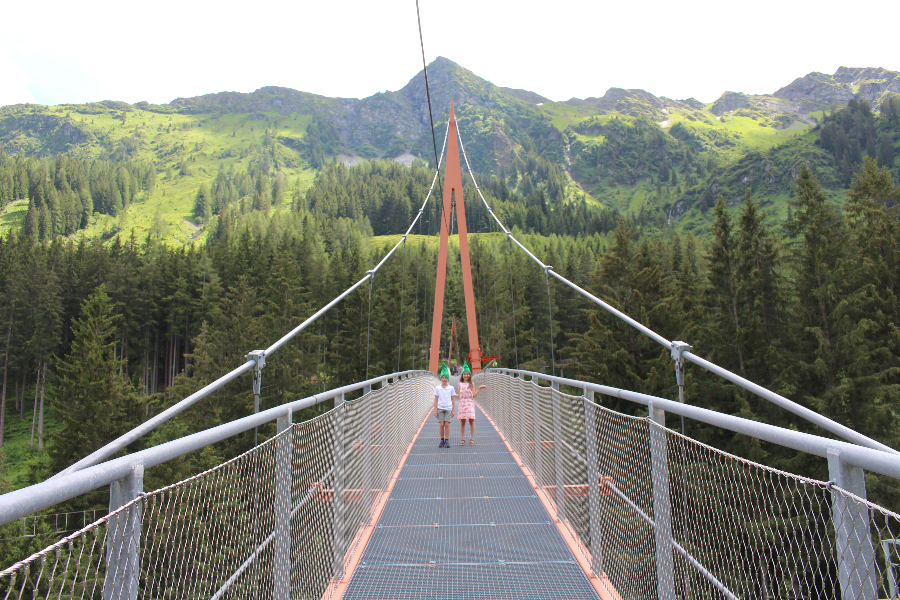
(283, 519)
(26, 501)
(689, 517)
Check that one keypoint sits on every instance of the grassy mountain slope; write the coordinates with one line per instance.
(627, 149)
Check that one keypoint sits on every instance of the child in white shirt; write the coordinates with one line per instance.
(444, 407)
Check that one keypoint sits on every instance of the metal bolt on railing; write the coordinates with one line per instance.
(678, 350)
(258, 358)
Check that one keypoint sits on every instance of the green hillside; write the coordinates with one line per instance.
(664, 161)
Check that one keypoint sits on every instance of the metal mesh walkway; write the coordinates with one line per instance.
(463, 522)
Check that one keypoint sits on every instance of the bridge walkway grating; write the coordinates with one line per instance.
(464, 523)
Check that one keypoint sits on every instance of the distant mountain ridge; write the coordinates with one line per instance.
(627, 149)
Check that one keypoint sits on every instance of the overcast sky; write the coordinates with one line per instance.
(57, 52)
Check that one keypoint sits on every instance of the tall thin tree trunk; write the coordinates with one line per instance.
(155, 380)
(187, 344)
(17, 393)
(37, 386)
(5, 373)
(22, 401)
(145, 380)
(737, 328)
(41, 412)
(3, 401)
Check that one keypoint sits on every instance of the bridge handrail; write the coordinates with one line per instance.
(681, 351)
(865, 458)
(26, 501)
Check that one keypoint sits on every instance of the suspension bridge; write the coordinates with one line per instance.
(560, 497)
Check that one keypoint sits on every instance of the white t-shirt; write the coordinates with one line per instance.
(445, 397)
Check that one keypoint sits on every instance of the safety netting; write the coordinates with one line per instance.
(280, 521)
(660, 515)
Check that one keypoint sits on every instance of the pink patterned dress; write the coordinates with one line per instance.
(466, 401)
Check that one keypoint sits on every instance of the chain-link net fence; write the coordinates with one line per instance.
(659, 515)
(280, 521)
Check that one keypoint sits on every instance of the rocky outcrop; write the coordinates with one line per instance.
(728, 102)
(39, 134)
(818, 91)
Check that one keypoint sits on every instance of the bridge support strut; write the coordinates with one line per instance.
(453, 193)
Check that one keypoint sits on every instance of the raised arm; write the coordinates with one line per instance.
(483, 387)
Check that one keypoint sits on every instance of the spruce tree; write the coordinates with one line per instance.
(724, 320)
(93, 400)
(759, 292)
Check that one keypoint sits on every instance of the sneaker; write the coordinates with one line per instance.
(441, 445)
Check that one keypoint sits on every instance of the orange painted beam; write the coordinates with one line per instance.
(580, 491)
(453, 190)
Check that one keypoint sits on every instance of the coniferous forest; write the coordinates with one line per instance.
(96, 336)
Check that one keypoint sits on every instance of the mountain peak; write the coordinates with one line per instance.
(818, 91)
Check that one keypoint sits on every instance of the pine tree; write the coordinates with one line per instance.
(725, 347)
(93, 400)
(886, 151)
(759, 293)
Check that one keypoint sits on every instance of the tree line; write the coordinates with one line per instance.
(98, 337)
(64, 192)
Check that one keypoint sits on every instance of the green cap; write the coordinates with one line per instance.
(466, 368)
(444, 371)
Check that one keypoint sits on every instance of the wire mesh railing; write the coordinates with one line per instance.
(659, 515)
(279, 521)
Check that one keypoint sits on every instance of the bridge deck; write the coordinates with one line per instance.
(464, 522)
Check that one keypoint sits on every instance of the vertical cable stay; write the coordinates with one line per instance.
(369, 324)
(402, 284)
(512, 295)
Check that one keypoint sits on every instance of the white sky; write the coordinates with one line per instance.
(60, 52)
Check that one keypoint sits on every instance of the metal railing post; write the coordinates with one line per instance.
(557, 453)
(538, 467)
(258, 357)
(283, 498)
(593, 480)
(855, 553)
(339, 487)
(123, 537)
(662, 508)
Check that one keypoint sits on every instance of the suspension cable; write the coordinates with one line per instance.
(549, 314)
(428, 95)
(512, 294)
(415, 335)
(496, 308)
(789, 405)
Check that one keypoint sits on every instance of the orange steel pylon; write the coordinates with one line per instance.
(453, 190)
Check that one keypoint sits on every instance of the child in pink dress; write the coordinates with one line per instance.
(467, 394)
